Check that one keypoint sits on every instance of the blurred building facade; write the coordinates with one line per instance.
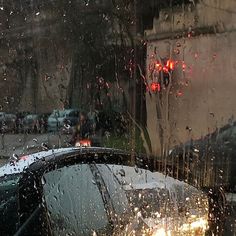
(199, 37)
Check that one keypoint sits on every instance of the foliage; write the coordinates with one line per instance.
(123, 142)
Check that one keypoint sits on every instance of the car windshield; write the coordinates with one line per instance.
(151, 78)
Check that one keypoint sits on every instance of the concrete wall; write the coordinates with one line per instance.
(37, 69)
(202, 96)
(35, 60)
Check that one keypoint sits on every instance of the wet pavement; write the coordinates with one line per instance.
(2, 162)
(21, 144)
(28, 143)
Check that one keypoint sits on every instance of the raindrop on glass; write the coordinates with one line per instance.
(43, 181)
(35, 140)
(122, 172)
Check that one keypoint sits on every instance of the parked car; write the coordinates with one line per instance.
(108, 197)
(7, 122)
(59, 118)
(31, 123)
(35, 123)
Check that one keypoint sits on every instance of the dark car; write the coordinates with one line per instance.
(95, 191)
(215, 150)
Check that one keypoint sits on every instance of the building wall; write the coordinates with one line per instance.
(201, 39)
(35, 60)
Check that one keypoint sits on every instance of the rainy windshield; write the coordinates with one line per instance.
(143, 84)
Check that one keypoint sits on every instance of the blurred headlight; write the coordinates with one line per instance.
(162, 232)
(196, 227)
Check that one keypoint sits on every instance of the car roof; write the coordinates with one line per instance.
(25, 162)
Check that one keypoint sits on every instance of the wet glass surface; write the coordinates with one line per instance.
(154, 78)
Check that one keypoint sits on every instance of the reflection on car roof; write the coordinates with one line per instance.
(25, 161)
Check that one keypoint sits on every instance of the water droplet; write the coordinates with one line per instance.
(44, 146)
(94, 233)
(122, 172)
(67, 126)
(43, 180)
(15, 157)
(178, 44)
(136, 209)
(35, 140)
(166, 16)
(177, 51)
(188, 128)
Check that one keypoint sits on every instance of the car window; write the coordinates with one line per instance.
(74, 201)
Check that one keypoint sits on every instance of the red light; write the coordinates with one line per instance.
(165, 69)
(155, 87)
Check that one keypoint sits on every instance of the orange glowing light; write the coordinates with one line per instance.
(172, 65)
(168, 63)
(158, 66)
